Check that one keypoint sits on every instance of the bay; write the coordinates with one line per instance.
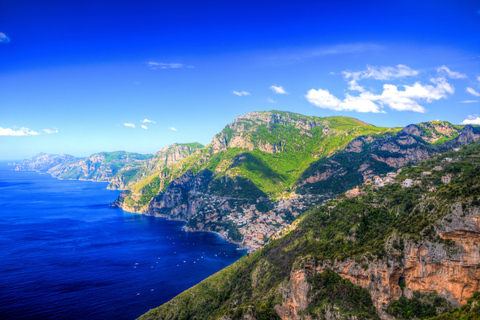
(65, 253)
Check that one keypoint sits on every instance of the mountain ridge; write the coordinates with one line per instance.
(393, 251)
(266, 168)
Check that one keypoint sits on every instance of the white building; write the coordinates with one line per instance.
(407, 183)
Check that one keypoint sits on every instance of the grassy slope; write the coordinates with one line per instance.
(324, 234)
(145, 172)
(274, 173)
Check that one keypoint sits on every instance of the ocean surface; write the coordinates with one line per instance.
(65, 254)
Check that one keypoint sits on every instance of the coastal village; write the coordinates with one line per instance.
(255, 227)
(425, 178)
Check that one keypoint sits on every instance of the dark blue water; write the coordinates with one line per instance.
(65, 254)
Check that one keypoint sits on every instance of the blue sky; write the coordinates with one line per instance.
(79, 77)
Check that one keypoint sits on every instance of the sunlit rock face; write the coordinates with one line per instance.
(452, 271)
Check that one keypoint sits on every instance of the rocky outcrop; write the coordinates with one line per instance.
(238, 134)
(451, 270)
(431, 131)
(97, 167)
(409, 145)
(468, 135)
(295, 296)
(168, 156)
(175, 202)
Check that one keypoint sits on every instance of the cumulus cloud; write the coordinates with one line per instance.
(475, 119)
(147, 121)
(24, 132)
(478, 78)
(130, 125)
(473, 92)
(271, 100)
(278, 90)
(379, 73)
(4, 38)
(172, 128)
(324, 99)
(144, 127)
(241, 93)
(354, 86)
(468, 101)
(162, 65)
(48, 131)
(444, 71)
(407, 99)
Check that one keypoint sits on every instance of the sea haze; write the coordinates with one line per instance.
(66, 254)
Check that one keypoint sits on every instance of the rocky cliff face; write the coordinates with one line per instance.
(396, 243)
(168, 156)
(295, 296)
(280, 135)
(452, 271)
(433, 131)
(367, 156)
(98, 167)
(238, 134)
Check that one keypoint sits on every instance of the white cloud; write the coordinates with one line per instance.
(402, 100)
(478, 78)
(4, 38)
(353, 85)
(444, 71)
(278, 90)
(241, 93)
(24, 132)
(324, 99)
(130, 125)
(475, 119)
(147, 121)
(144, 127)
(162, 65)
(271, 100)
(473, 92)
(20, 132)
(468, 101)
(172, 128)
(379, 73)
(48, 131)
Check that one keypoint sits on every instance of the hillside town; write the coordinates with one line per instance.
(255, 227)
(424, 179)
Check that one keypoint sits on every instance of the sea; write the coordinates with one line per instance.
(65, 254)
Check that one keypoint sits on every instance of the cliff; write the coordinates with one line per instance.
(393, 251)
(121, 169)
(265, 169)
(129, 175)
(98, 167)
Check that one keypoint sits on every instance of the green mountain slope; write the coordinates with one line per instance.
(269, 149)
(374, 255)
(122, 169)
(135, 172)
(266, 168)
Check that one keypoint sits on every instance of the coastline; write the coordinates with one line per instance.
(240, 245)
